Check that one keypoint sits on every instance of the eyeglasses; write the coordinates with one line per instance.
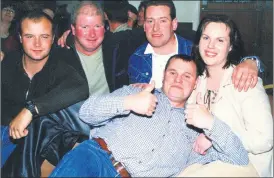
(8, 9)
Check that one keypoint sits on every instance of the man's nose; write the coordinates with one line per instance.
(156, 26)
(91, 32)
(179, 79)
(37, 42)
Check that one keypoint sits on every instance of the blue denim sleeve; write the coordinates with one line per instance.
(258, 62)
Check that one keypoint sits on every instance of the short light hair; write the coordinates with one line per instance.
(93, 4)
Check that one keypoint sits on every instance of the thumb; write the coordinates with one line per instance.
(150, 86)
(199, 99)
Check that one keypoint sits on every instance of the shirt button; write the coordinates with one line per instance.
(164, 135)
(140, 162)
(152, 150)
(146, 73)
(168, 121)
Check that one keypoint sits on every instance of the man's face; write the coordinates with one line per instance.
(36, 38)
(8, 14)
(159, 26)
(88, 30)
(179, 81)
(131, 19)
(141, 17)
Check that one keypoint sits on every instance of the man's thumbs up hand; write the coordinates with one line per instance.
(198, 115)
(143, 102)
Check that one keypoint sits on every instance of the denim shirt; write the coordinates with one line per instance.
(140, 64)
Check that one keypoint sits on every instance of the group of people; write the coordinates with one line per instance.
(184, 114)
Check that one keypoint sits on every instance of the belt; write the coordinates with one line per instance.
(117, 165)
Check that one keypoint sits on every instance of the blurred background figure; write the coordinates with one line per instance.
(132, 16)
(116, 14)
(141, 13)
(9, 40)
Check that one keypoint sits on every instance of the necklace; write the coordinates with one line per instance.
(210, 98)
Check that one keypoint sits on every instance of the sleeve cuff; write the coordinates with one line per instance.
(258, 62)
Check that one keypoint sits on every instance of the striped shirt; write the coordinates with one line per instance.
(160, 145)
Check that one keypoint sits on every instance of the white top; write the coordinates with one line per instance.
(249, 116)
(158, 64)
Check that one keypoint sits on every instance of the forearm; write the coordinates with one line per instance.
(71, 89)
(99, 109)
(257, 60)
(228, 145)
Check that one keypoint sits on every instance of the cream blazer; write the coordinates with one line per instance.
(249, 116)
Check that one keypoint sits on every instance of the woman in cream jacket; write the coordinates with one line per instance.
(218, 47)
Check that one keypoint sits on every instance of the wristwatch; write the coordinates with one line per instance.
(32, 108)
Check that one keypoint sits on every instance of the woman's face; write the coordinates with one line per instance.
(214, 44)
(8, 14)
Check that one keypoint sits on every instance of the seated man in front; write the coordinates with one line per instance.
(144, 133)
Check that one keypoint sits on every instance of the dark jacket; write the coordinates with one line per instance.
(48, 89)
(117, 48)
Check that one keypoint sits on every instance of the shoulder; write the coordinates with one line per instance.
(12, 58)
(141, 49)
(183, 40)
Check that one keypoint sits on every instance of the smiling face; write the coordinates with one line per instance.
(159, 26)
(36, 38)
(214, 44)
(88, 30)
(179, 81)
(131, 19)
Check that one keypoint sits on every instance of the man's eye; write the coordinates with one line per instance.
(221, 40)
(187, 76)
(163, 21)
(45, 36)
(205, 38)
(98, 26)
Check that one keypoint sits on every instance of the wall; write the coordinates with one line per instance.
(186, 11)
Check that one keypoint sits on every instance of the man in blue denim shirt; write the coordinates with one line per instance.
(148, 61)
(146, 131)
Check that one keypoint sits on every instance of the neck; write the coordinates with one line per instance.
(177, 105)
(216, 75)
(31, 66)
(4, 28)
(170, 47)
(114, 25)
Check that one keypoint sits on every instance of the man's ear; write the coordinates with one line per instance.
(72, 29)
(230, 48)
(20, 38)
(174, 24)
(53, 39)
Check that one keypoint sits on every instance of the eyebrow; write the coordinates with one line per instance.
(157, 18)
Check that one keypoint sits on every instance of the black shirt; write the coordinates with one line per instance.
(55, 87)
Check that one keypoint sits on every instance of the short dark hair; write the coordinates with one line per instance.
(117, 11)
(142, 5)
(35, 15)
(168, 3)
(185, 58)
(132, 9)
(237, 51)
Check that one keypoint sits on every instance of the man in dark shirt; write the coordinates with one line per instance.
(31, 78)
